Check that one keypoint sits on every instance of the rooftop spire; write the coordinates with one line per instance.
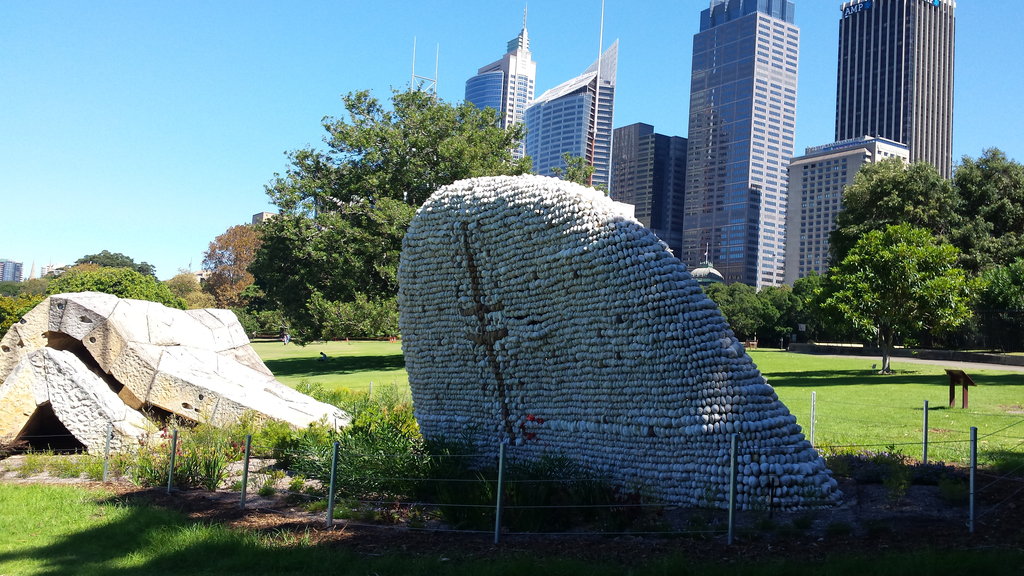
(522, 41)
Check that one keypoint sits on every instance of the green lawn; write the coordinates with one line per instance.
(854, 406)
(56, 530)
(355, 365)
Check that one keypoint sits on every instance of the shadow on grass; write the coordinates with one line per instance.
(1005, 461)
(335, 365)
(148, 540)
(821, 378)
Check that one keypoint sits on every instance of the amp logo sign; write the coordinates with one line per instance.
(858, 7)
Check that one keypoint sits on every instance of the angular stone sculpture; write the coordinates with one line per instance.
(533, 313)
(95, 358)
(80, 399)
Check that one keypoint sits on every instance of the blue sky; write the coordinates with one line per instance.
(149, 128)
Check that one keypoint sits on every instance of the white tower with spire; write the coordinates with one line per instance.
(507, 84)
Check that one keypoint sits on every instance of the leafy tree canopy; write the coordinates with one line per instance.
(35, 286)
(344, 211)
(117, 260)
(740, 306)
(991, 189)
(121, 282)
(890, 192)
(186, 286)
(227, 260)
(900, 280)
(576, 170)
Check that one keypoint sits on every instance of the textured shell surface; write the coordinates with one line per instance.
(533, 312)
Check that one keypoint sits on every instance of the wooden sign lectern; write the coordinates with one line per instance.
(958, 377)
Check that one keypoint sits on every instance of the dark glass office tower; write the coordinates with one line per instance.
(895, 76)
(649, 172)
(742, 122)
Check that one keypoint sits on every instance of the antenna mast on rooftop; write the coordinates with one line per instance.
(425, 83)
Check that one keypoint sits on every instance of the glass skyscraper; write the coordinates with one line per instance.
(649, 172)
(576, 117)
(742, 122)
(507, 85)
(895, 77)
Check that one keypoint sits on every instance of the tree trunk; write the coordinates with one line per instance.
(886, 341)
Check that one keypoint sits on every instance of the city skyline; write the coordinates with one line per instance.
(150, 129)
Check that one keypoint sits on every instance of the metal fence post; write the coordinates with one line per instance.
(924, 445)
(974, 468)
(814, 413)
(106, 452)
(245, 469)
(330, 493)
(732, 487)
(501, 489)
(170, 468)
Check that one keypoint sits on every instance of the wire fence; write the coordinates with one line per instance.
(494, 499)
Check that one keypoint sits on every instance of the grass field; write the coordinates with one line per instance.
(854, 407)
(50, 530)
(355, 365)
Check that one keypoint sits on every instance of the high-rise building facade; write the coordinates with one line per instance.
(742, 121)
(507, 85)
(576, 117)
(895, 78)
(649, 172)
(10, 271)
(816, 183)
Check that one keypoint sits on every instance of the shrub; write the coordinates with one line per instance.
(381, 453)
(12, 308)
(121, 282)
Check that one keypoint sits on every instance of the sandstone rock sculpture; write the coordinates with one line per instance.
(532, 312)
(97, 359)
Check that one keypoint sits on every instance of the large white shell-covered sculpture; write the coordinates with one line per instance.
(533, 312)
(95, 359)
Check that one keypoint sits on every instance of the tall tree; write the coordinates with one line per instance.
(117, 260)
(343, 212)
(121, 282)
(900, 281)
(778, 314)
(1001, 306)
(991, 189)
(890, 192)
(227, 260)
